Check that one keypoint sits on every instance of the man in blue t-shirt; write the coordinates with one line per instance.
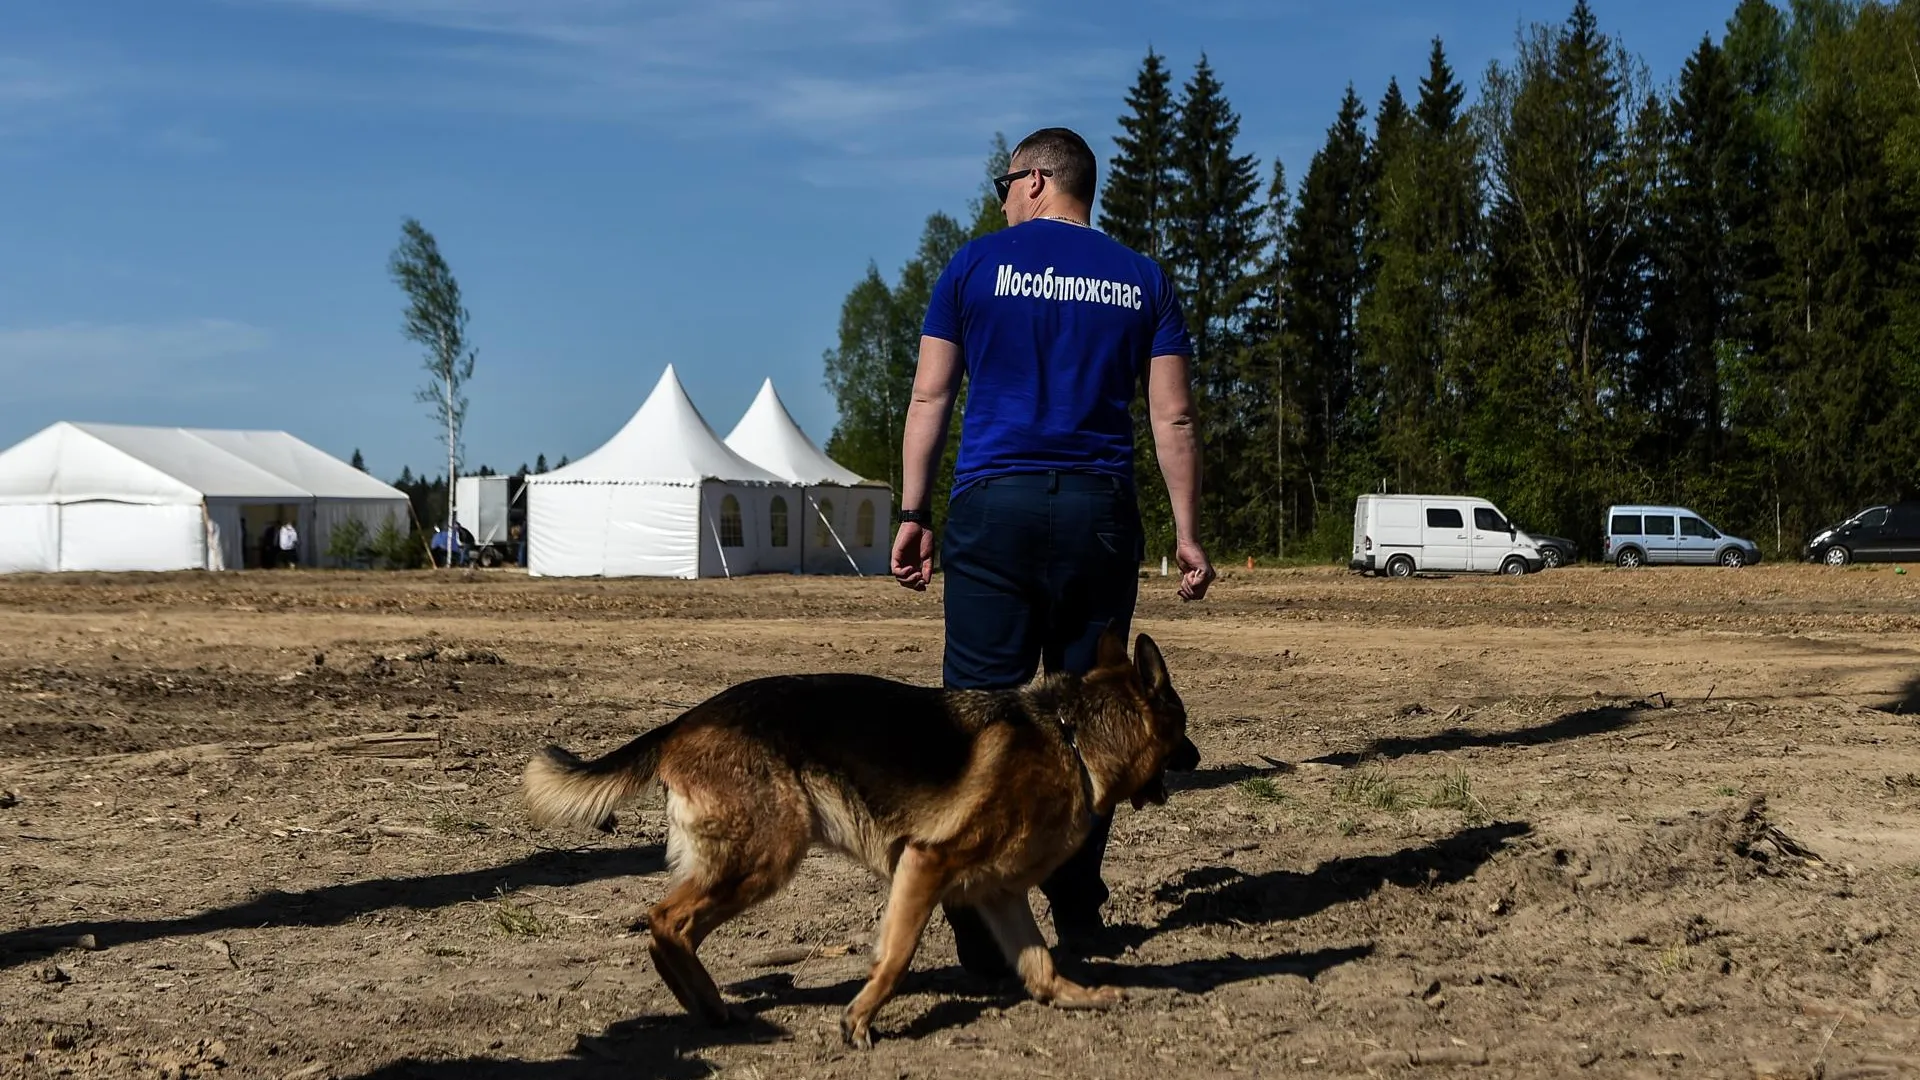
(1055, 326)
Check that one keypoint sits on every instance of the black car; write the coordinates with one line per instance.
(1556, 551)
(1876, 534)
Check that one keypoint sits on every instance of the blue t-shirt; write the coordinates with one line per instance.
(1056, 323)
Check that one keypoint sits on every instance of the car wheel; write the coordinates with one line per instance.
(1551, 557)
(489, 558)
(1630, 559)
(1836, 556)
(1514, 567)
(1399, 566)
(1733, 558)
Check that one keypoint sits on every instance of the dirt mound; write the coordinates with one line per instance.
(1736, 843)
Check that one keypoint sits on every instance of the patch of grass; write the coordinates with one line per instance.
(1263, 789)
(1726, 790)
(516, 920)
(1346, 826)
(1455, 792)
(1675, 958)
(1374, 789)
(448, 822)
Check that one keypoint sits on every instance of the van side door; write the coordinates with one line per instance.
(1492, 539)
(1657, 532)
(1445, 538)
(1697, 543)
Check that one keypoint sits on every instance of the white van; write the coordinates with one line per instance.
(1399, 535)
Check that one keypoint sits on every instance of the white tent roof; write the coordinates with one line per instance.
(70, 462)
(320, 473)
(63, 464)
(768, 437)
(666, 442)
(195, 462)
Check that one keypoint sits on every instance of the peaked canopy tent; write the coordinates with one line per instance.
(114, 497)
(843, 519)
(664, 497)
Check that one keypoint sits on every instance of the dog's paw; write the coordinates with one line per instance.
(857, 1034)
(1071, 996)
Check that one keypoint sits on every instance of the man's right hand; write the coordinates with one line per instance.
(913, 556)
(1196, 572)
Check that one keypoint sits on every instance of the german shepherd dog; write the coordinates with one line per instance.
(970, 797)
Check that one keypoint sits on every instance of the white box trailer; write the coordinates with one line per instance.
(1401, 535)
(484, 507)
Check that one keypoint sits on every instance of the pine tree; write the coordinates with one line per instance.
(1324, 276)
(1570, 184)
(540, 464)
(1213, 257)
(1420, 245)
(1707, 170)
(358, 462)
(987, 213)
(1213, 217)
(1140, 185)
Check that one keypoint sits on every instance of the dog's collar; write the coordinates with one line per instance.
(1070, 733)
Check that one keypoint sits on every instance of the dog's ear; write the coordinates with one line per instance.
(1151, 665)
(1113, 647)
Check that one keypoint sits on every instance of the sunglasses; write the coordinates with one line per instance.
(1004, 184)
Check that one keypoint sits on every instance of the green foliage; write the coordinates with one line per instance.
(436, 320)
(348, 543)
(397, 548)
(1582, 289)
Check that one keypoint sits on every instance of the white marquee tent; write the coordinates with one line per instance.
(663, 498)
(113, 497)
(843, 519)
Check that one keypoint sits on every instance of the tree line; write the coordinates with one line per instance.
(1580, 287)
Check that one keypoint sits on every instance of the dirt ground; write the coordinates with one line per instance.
(1588, 822)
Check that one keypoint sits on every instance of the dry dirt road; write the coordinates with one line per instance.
(1588, 823)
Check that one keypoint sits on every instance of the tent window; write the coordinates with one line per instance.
(863, 524)
(777, 517)
(822, 531)
(731, 534)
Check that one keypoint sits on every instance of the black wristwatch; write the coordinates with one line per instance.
(916, 517)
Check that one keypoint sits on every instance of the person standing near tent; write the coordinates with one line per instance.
(1055, 325)
(269, 543)
(289, 544)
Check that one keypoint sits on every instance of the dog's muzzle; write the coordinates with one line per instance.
(1186, 758)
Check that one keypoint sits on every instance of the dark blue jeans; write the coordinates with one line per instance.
(1037, 566)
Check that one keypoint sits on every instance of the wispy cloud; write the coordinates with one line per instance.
(36, 95)
(113, 361)
(819, 72)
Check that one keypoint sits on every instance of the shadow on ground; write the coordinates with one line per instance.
(331, 905)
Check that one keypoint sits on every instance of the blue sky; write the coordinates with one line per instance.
(199, 196)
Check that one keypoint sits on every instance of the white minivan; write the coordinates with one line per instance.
(1400, 535)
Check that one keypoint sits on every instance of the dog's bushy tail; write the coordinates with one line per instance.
(561, 789)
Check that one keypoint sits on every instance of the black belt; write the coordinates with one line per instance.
(1055, 480)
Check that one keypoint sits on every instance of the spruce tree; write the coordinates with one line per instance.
(1213, 255)
(1135, 199)
(1324, 277)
